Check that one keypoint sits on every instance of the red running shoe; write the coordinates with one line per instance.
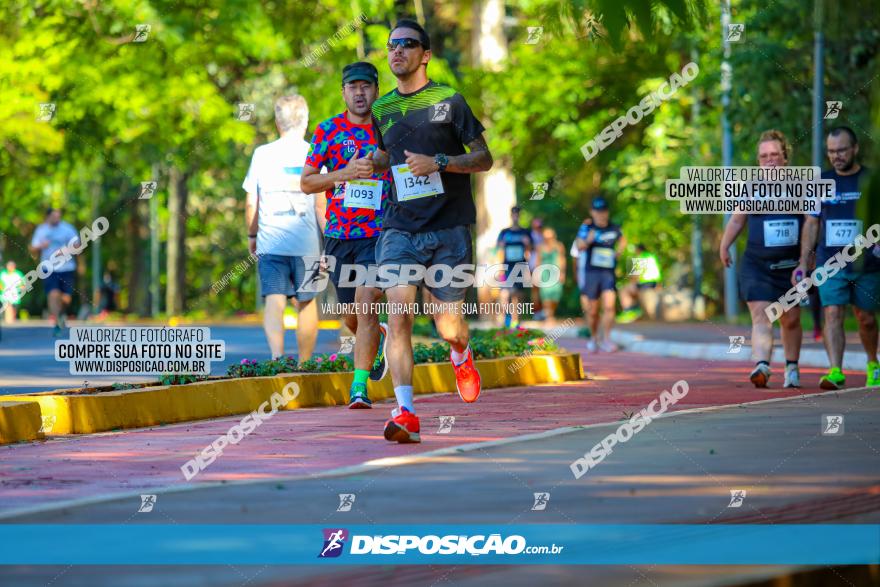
(467, 379)
(403, 427)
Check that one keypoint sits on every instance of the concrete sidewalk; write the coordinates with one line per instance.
(711, 341)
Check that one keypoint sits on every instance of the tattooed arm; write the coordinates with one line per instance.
(477, 159)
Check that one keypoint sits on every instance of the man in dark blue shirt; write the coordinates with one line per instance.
(514, 246)
(603, 242)
(831, 233)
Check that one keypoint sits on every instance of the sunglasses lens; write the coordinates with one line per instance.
(406, 43)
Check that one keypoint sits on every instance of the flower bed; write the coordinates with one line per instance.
(485, 344)
(323, 381)
(494, 343)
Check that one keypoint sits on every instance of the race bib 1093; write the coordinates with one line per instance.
(363, 193)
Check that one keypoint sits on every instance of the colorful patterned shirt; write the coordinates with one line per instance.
(336, 140)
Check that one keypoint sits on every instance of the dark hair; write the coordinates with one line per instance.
(837, 130)
(50, 210)
(406, 23)
(516, 209)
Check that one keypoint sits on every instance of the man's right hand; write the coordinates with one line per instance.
(359, 168)
(725, 256)
(365, 165)
(798, 274)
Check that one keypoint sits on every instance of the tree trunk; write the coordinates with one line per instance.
(136, 265)
(176, 251)
(496, 189)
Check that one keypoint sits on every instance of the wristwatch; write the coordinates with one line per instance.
(442, 161)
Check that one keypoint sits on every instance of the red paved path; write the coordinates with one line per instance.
(311, 440)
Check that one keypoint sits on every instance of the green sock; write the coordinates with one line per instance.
(361, 376)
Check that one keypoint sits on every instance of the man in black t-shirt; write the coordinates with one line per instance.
(432, 142)
(515, 247)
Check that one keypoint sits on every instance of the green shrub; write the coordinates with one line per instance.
(485, 344)
(254, 368)
(178, 379)
(324, 363)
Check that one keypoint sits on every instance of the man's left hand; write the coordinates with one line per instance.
(420, 165)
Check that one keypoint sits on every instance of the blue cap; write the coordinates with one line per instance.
(600, 203)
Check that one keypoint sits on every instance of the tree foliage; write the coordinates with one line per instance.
(127, 112)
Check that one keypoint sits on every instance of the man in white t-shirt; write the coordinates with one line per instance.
(51, 240)
(283, 227)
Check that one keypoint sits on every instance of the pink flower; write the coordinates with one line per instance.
(244, 361)
(319, 360)
(332, 357)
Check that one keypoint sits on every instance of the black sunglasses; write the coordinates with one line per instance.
(405, 42)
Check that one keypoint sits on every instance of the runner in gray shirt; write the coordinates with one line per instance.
(50, 237)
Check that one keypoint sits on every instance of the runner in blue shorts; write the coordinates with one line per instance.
(51, 237)
(515, 249)
(283, 228)
(832, 233)
(603, 242)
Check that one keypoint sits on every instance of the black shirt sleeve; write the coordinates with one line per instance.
(466, 124)
(379, 142)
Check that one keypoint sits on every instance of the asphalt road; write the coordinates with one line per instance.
(27, 356)
(681, 468)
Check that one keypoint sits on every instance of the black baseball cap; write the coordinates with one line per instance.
(600, 203)
(360, 71)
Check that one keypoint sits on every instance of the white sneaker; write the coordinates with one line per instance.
(792, 376)
(760, 375)
(606, 346)
(591, 346)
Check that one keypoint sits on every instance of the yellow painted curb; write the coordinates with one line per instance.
(150, 406)
(19, 421)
